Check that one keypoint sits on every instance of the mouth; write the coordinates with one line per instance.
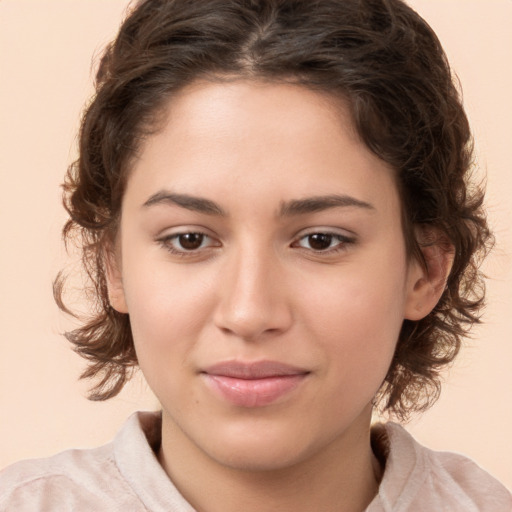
(253, 384)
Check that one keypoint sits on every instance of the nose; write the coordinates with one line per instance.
(254, 300)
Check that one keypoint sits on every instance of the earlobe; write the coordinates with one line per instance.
(114, 282)
(426, 283)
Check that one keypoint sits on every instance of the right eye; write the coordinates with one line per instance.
(187, 243)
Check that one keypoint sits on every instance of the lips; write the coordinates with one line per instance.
(253, 384)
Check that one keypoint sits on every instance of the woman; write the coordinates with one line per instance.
(273, 203)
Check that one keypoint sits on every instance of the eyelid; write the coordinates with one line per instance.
(340, 232)
(180, 229)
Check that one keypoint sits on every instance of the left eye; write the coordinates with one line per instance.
(322, 241)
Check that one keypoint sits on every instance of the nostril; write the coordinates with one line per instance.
(252, 324)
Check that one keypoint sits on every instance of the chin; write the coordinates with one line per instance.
(266, 458)
(259, 448)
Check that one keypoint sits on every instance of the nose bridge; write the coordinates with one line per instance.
(253, 297)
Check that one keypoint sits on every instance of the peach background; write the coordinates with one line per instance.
(45, 68)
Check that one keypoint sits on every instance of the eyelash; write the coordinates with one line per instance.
(343, 241)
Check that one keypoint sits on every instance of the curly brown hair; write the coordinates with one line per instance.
(378, 55)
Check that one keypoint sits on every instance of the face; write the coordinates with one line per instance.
(263, 266)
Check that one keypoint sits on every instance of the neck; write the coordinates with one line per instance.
(342, 477)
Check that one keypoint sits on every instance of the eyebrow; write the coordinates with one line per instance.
(196, 204)
(320, 203)
(288, 208)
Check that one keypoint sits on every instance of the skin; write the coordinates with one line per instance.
(258, 287)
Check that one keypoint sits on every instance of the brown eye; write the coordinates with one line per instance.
(190, 241)
(320, 241)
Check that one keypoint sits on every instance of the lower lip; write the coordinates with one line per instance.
(253, 392)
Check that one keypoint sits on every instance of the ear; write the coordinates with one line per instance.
(114, 281)
(426, 282)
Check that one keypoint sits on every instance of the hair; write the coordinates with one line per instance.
(380, 57)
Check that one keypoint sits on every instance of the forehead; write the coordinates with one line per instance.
(255, 140)
(265, 110)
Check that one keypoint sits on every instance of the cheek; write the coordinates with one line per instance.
(362, 298)
(164, 329)
(166, 309)
(357, 320)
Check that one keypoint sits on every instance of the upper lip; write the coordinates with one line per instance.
(253, 370)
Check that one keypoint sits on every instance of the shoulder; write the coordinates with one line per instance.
(29, 481)
(417, 478)
(85, 479)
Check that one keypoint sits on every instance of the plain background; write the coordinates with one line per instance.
(46, 48)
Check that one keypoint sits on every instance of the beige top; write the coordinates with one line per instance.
(125, 475)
